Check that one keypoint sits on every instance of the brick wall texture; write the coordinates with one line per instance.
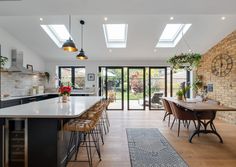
(224, 88)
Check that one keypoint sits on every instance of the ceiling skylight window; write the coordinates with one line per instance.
(115, 35)
(58, 33)
(172, 34)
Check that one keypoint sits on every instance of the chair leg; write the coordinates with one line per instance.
(172, 123)
(165, 116)
(169, 121)
(178, 128)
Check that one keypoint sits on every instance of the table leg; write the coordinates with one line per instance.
(198, 116)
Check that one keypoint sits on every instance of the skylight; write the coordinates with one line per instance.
(172, 34)
(58, 33)
(115, 35)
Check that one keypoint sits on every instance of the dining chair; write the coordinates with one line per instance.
(168, 110)
(181, 115)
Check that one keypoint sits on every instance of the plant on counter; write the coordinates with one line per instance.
(3, 61)
(64, 91)
(185, 60)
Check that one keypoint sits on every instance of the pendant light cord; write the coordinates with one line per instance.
(82, 40)
(70, 23)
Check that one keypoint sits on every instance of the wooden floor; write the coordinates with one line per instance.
(205, 150)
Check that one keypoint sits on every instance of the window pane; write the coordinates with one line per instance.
(79, 78)
(66, 76)
(179, 76)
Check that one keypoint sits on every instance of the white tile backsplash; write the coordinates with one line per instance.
(17, 84)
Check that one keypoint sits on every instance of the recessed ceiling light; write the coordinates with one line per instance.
(41, 19)
(190, 50)
(105, 18)
(223, 18)
(171, 18)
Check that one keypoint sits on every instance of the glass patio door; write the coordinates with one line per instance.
(157, 87)
(114, 87)
(136, 88)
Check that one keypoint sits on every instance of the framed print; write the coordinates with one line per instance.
(29, 67)
(91, 77)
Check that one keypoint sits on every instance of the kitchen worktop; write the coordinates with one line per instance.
(44, 94)
(51, 108)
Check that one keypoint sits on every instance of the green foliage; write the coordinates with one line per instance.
(179, 93)
(197, 83)
(3, 60)
(192, 60)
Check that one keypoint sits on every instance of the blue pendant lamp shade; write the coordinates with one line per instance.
(69, 45)
(81, 55)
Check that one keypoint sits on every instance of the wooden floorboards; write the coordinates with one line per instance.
(206, 151)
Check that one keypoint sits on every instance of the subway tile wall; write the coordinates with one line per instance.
(17, 84)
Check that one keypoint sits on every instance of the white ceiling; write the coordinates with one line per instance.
(146, 22)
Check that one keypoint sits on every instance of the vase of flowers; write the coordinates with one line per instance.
(65, 91)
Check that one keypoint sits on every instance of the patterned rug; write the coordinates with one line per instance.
(149, 148)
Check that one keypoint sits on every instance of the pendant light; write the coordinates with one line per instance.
(69, 45)
(81, 55)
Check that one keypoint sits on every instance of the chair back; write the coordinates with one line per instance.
(166, 106)
(180, 113)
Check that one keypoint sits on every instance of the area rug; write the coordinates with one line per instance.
(149, 148)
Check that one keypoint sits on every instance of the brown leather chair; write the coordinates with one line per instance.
(167, 109)
(181, 115)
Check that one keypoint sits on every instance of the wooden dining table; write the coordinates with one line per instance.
(199, 109)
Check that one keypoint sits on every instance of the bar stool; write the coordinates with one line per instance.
(84, 131)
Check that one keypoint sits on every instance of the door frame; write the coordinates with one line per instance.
(122, 84)
(144, 86)
(149, 85)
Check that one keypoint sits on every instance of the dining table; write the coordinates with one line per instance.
(200, 108)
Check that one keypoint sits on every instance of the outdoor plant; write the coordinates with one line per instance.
(197, 83)
(185, 60)
(3, 61)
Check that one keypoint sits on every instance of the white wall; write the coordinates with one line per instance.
(92, 67)
(8, 42)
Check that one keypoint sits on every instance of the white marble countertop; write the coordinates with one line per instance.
(51, 108)
(28, 96)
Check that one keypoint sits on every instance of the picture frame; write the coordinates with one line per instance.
(29, 67)
(91, 77)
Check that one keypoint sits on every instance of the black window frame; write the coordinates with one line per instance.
(72, 74)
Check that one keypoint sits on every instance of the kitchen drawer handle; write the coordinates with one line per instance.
(32, 99)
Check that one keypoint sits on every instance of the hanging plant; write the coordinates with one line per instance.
(185, 60)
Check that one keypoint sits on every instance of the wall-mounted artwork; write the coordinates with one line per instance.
(91, 77)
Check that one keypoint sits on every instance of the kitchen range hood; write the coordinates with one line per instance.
(17, 63)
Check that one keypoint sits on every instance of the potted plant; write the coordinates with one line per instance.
(179, 94)
(3, 61)
(65, 91)
(185, 60)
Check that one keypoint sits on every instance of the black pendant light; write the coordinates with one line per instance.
(69, 45)
(81, 55)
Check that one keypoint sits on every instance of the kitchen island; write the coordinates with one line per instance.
(31, 134)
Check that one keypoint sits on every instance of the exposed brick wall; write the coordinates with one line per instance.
(224, 87)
